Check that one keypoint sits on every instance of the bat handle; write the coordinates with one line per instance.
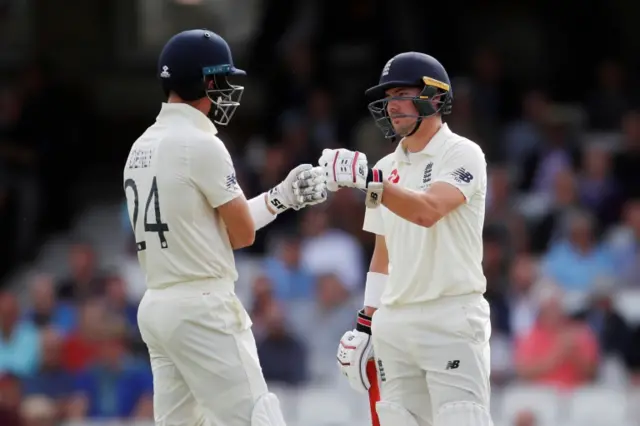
(374, 391)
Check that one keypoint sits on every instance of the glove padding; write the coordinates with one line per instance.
(354, 351)
(344, 168)
(304, 186)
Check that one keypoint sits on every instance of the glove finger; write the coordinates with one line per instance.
(311, 189)
(305, 171)
(320, 177)
(302, 168)
(317, 171)
(305, 182)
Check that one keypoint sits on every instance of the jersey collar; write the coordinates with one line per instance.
(170, 111)
(433, 147)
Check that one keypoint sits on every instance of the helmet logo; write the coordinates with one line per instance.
(165, 72)
(387, 67)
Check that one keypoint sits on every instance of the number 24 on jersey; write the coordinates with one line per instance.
(158, 227)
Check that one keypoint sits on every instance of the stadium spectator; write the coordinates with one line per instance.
(45, 310)
(19, 342)
(557, 351)
(598, 190)
(81, 346)
(331, 310)
(290, 279)
(612, 331)
(627, 162)
(117, 304)
(84, 280)
(10, 399)
(328, 250)
(282, 355)
(577, 258)
(114, 384)
(51, 380)
(625, 246)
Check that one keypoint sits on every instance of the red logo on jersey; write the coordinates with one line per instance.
(394, 177)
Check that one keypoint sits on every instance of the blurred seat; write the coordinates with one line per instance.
(627, 303)
(542, 401)
(597, 406)
(288, 399)
(322, 407)
(633, 407)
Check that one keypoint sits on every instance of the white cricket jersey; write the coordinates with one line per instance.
(446, 259)
(178, 172)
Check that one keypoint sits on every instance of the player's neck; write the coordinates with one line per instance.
(419, 140)
(203, 105)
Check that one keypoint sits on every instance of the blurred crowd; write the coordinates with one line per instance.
(561, 241)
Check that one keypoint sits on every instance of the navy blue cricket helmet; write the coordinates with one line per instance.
(197, 63)
(411, 69)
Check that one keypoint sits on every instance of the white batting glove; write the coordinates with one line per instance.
(344, 168)
(354, 351)
(304, 186)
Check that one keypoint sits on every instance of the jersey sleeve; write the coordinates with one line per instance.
(465, 168)
(212, 171)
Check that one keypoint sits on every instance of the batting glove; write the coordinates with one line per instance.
(344, 168)
(354, 351)
(304, 186)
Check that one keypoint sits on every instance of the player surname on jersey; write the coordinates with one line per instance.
(139, 158)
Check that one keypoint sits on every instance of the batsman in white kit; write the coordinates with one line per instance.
(189, 214)
(425, 318)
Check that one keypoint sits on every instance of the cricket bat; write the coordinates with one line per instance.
(374, 390)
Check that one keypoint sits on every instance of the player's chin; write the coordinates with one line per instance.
(403, 129)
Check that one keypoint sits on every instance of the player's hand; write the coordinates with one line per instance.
(304, 186)
(354, 351)
(344, 168)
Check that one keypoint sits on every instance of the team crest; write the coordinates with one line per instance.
(387, 67)
(394, 177)
(426, 176)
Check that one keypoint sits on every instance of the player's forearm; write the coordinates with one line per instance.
(377, 276)
(416, 207)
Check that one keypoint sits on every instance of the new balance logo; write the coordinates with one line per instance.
(452, 365)
(461, 175)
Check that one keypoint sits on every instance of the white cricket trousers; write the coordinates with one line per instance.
(434, 353)
(203, 355)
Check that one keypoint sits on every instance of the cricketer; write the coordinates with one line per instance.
(188, 214)
(425, 318)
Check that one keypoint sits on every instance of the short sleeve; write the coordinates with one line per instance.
(465, 168)
(212, 171)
